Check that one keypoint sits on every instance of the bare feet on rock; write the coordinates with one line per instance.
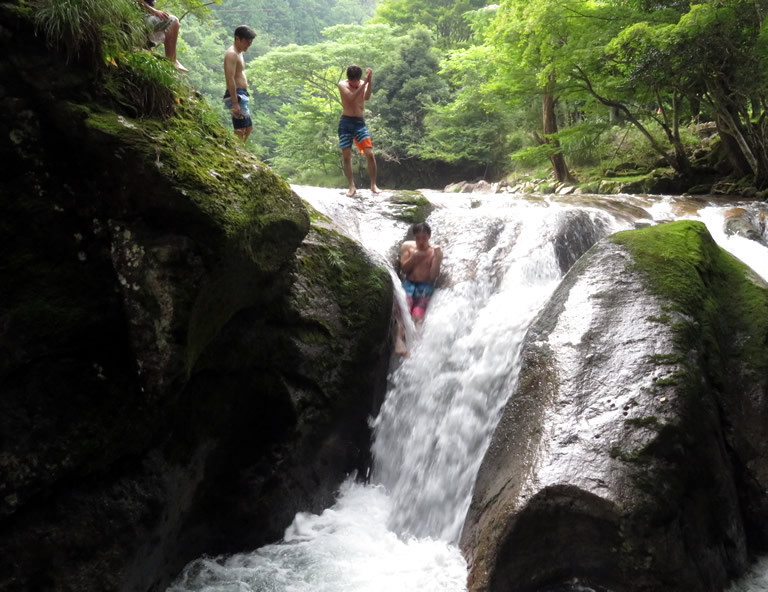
(375, 189)
(179, 67)
(351, 192)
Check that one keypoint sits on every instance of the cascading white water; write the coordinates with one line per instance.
(440, 413)
(399, 534)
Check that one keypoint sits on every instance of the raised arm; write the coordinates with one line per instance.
(407, 259)
(368, 83)
(349, 95)
(152, 10)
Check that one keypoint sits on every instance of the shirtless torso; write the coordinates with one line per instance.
(354, 93)
(234, 74)
(420, 262)
(234, 70)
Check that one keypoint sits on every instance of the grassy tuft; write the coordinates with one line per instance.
(144, 84)
(91, 29)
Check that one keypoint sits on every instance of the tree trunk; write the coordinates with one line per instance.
(630, 117)
(562, 174)
(671, 126)
(733, 152)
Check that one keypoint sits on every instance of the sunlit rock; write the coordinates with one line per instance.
(454, 187)
(633, 453)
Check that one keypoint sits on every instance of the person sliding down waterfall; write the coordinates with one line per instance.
(354, 93)
(420, 262)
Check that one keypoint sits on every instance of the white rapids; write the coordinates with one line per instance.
(399, 533)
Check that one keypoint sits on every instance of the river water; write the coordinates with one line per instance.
(503, 260)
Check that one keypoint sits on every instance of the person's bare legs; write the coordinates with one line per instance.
(171, 38)
(400, 348)
(346, 155)
(244, 132)
(372, 170)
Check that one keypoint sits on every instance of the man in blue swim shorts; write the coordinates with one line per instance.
(420, 262)
(354, 93)
(237, 84)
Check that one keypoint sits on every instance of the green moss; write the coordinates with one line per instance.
(663, 319)
(666, 359)
(627, 178)
(314, 215)
(672, 380)
(684, 266)
(650, 422)
(718, 313)
(591, 187)
(197, 158)
(197, 169)
(357, 285)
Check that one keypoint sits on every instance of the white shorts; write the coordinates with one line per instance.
(158, 26)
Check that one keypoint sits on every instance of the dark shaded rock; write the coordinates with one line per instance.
(184, 362)
(701, 189)
(625, 167)
(632, 454)
(744, 223)
(546, 187)
(633, 187)
(576, 234)
(665, 183)
(726, 188)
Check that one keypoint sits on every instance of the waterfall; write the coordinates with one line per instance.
(445, 399)
(503, 259)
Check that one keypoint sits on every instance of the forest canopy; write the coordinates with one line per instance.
(465, 89)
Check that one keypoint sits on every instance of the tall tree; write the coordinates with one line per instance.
(478, 123)
(537, 40)
(406, 86)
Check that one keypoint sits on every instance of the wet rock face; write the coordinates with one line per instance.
(184, 362)
(629, 456)
(745, 223)
(578, 232)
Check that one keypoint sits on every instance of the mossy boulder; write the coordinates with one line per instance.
(632, 454)
(409, 206)
(547, 187)
(185, 361)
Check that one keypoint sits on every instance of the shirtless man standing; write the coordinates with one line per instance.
(237, 85)
(354, 93)
(420, 262)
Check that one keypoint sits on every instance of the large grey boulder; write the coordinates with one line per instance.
(632, 453)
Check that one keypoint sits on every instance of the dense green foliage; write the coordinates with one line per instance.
(460, 87)
(445, 18)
